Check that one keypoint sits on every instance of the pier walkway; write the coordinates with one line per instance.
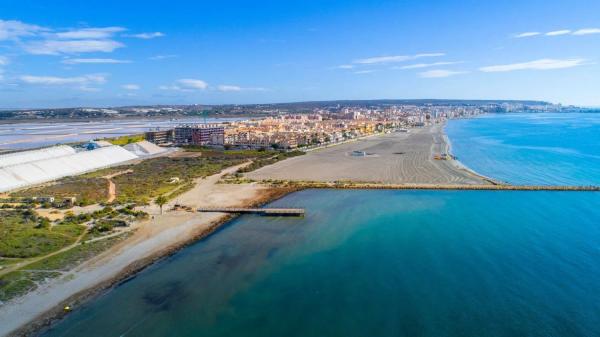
(260, 211)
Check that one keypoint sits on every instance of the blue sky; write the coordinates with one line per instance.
(102, 53)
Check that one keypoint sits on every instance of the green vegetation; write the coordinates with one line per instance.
(258, 163)
(124, 140)
(86, 188)
(23, 234)
(20, 282)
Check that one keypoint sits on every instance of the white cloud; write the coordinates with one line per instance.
(587, 31)
(161, 57)
(396, 58)
(558, 32)
(94, 61)
(527, 34)
(190, 83)
(89, 33)
(130, 87)
(12, 29)
(186, 84)
(345, 66)
(227, 88)
(425, 65)
(3, 60)
(146, 36)
(440, 73)
(54, 47)
(543, 64)
(360, 72)
(235, 88)
(55, 80)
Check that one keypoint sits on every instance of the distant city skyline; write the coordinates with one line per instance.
(110, 53)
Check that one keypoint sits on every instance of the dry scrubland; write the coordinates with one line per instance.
(398, 158)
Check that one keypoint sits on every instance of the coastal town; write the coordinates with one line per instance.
(107, 206)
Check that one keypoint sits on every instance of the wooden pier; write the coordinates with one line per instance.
(260, 211)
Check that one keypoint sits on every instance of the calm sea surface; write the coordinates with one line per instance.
(548, 148)
(377, 263)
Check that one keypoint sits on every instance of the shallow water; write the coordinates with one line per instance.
(541, 148)
(375, 263)
(394, 263)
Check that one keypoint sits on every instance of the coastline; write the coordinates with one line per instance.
(458, 164)
(38, 310)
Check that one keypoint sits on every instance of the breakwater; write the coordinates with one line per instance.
(447, 187)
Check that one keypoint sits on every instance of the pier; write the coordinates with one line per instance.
(260, 211)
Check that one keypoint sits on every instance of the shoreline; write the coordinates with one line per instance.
(46, 319)
(458, 164)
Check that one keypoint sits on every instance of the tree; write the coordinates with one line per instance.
(160, 201)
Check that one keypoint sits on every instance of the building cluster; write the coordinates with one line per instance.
(321, 127)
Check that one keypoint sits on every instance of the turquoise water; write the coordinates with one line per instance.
(542, 148)
(375, 263)
(394, 263)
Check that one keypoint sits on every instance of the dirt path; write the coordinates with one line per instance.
(112, 188)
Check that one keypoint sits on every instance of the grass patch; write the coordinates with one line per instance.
(77, 255)
(23, 234)
(258, 163)
(124, 140)
(87, 189)
(20, 282)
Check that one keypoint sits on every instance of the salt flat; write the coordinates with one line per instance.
(392, 158)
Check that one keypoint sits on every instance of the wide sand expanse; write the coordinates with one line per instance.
(392, 158)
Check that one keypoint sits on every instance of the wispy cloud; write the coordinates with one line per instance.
(56, 80)
(558, 32)
(235, 88)
(131, 87)
(186, 84)
(425, 65)
(440, 73)
(12, 29)
(579, 32)
(587, 31)
(227, 88)
(360, 72)
(3, 60)
(55, 47)
(395, 58)
(542, 64)
(161, 57)
(527, 34)
(89, 33)
(94, 61)
(146, 36)
(345, 66)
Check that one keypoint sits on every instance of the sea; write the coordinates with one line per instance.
(390, 262)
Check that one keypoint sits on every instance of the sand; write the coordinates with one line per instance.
(153, 238)
(397, 158)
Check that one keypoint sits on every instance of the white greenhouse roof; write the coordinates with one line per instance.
(44, 170)
(34, 155)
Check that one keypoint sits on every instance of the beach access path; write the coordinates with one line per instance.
(152, 238)
(394, 158)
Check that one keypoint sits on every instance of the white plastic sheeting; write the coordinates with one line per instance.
(40, 171)
(144, 148)
(35, 155)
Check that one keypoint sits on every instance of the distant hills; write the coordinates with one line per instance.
(257, 110)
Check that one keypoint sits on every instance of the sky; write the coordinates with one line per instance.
(111, 53)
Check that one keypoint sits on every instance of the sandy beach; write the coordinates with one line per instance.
(397, 158)
(153, 239)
